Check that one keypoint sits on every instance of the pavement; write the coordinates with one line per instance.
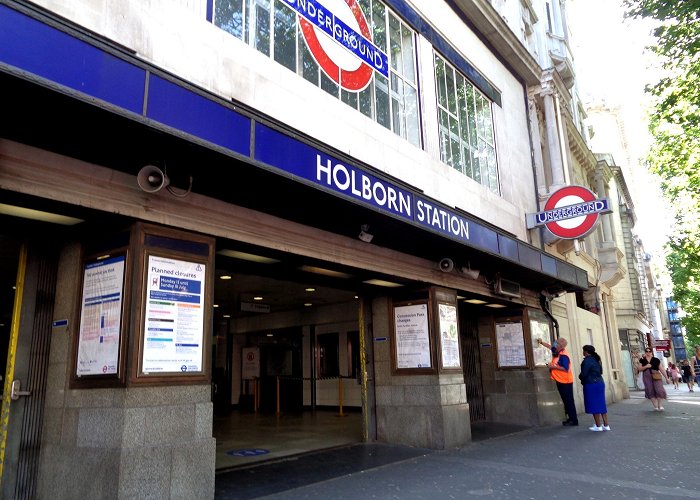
(647, 454)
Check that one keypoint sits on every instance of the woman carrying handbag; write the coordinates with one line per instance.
(653, 378)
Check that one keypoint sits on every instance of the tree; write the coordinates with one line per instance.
(675, 129)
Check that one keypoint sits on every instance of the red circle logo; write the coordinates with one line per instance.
(337, 63)
(575, 227)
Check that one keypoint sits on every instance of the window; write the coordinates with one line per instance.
(271, 27)
(466, 126)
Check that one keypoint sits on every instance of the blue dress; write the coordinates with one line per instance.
(593, 386)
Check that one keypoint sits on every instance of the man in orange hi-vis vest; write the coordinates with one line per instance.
(562, 373)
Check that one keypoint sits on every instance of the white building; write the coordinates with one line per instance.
(286, 190)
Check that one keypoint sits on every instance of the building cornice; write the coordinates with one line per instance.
(496, 32)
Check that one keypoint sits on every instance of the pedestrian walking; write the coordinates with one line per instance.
(591, 377)
(695, 365)
(654, 390)
(562, 373)
(687, 375)
(675, 375)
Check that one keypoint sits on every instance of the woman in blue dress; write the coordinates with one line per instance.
(591, 377)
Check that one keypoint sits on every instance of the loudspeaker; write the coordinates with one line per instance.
(152, 179)
(446, 265)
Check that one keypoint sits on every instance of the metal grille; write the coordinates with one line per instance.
(471, 361)
(28, 460)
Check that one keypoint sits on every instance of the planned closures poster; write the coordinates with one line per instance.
(174, 320)
(412, 336)
(101, 317)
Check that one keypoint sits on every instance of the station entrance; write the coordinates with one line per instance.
(286, 375)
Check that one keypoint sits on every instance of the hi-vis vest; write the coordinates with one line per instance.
(566, 377)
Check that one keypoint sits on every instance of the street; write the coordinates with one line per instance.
(647, 454)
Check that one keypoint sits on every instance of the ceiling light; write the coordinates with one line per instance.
(28, 213)
(496, 306)
(308, 304)
(215, 305)
(383, 283)
(475, 301)
(227, 315)
(225, 277)
(247, 256)
(310, 289)
(258, 297)
(269, 335)
(325, 272)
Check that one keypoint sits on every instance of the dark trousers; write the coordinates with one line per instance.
(566, 391)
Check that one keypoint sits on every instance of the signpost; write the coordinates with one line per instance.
(570, 212)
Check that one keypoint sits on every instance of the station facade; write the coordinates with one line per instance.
(204, 199)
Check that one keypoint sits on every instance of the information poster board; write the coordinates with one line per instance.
(174, 316)
(449, 338)
(99, 338)
(540, 329)
(511, 344)
(412, 336)
(250, 363)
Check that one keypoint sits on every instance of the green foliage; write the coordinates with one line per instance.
(675, 128)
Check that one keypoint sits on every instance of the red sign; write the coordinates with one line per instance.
(662, 344)
(570, 212)
(339, 64)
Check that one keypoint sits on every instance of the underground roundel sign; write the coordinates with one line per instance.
(340, 40)
(570, 212)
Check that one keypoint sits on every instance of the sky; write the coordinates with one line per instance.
(611, 63)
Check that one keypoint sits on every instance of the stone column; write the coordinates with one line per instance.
(601, 192)
(553, 145)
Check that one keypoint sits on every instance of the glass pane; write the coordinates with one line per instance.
(228, 15)
(412, 116)
(329, 85)
(455, 145)
(440, 81)
(451, 93)
(379, 25)
(382, 101)
(488, 122)
(262, 27)
(481, 109)
(397, 105)
(285, 36)
(462, 109)
(395, 43)
(407, 52)
(493, 170)
(471, 117)
(467, 159)
(307, 65)
(349, 98)
(366, 97)
(445, 155)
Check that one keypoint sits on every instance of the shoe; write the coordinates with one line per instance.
(661, 408)
(606, 427)
(595, 428)
(570, 423)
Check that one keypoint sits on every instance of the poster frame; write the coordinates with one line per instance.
(117, 379)
(431, 343)
(522, 324)
(438, 326)
(150, 240)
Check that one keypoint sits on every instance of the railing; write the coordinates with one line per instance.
(278, 391)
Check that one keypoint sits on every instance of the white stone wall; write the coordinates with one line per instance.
(175, 36)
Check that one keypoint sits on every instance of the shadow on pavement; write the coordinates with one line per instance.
(301, 470)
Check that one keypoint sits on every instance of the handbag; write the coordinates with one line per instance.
(655, 375)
